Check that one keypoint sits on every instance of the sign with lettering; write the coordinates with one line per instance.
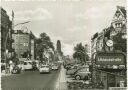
(110, 59)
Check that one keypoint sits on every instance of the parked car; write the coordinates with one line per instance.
(82, 74)
(44, 69)
(16, 70)
(72, 70)
(68, 66)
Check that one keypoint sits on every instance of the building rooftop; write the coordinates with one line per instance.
(20, 32)
(122, 9)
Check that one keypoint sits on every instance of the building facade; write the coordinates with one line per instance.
(32, 49)
(22, 43)
(110, 44)
(6, 33)
(119, 21)
(116, 32)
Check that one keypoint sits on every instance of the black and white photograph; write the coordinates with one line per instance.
(63, 44)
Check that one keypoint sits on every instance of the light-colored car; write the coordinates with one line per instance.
(55, 67)
(27, 65)
(82, 74)
(44, 69)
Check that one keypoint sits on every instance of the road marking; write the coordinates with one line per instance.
(61, 82)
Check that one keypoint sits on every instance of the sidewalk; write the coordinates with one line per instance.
(3, 74)
(61, 83)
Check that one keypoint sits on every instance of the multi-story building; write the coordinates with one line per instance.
(110, 45)
(6, 31)
(22, 44)
(100, 42)
(119, 21)
(116, 32)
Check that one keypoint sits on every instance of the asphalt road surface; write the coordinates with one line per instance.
(30, 80)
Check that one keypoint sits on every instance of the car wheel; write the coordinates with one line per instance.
(77, 77)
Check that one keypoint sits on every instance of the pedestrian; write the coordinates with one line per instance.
(7, 69)
(11, 68)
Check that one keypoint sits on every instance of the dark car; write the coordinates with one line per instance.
(34, 66)
(82, 74)
(16, 70)
(68, 66)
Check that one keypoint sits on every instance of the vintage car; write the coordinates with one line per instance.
(44, 69)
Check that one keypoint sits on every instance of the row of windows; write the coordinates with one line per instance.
(21, 49)
(118, 25)
(21, 38)
(24, 44)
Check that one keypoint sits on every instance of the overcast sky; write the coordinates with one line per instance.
(71, 21)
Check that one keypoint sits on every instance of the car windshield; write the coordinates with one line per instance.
(25, 63)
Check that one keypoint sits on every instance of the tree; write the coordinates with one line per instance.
(43, 43)
(120, 43)
(80, 53)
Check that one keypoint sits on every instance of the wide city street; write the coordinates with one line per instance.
(63, 45)
(30, 80)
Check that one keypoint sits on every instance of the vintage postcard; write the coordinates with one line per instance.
(63, 44)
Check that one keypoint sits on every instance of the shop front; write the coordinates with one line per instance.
(108, 71)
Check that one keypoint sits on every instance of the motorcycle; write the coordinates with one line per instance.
(16, 70)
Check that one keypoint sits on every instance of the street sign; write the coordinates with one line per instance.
(110, 59)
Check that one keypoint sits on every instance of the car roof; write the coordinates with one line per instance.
(27, 61)
(44, 65)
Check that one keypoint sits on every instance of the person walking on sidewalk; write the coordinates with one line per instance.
(11, 67)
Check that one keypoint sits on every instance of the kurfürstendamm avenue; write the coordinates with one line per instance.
(63, 44)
